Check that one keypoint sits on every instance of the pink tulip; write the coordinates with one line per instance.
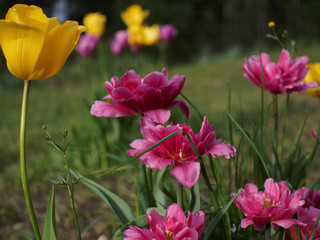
(119, 42)
(279, 78)
(87, 44)
(309, 217)
(177, 150)
(314, 134)
(152, 96)
(174, 226)
(276, 205)
(168, 32)
(313, 198)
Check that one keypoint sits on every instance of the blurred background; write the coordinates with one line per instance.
(204, 25)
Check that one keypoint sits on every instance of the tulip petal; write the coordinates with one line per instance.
(158, 116)
(59, 43)
(21, 45)
(103, 109)
(186, 174)
(287, 223)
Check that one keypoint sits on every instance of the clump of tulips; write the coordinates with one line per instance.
(187, 181)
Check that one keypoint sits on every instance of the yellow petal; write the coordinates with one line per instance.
(95, 22)
(29, 15)
(21, 45)
(59, 43)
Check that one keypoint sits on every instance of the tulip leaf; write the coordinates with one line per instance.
(146, 189)
(159, 196)
(194, 205)
(50, 230)
(252, 145)
(211, 226)
(290, 159)
(121, 209)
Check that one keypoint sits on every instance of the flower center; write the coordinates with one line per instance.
(169, 235)
(268, 203)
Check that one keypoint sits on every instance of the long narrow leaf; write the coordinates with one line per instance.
(252, 145)
(289, 162)
(121, 209)
(159, 196)
(140, 154)
(50, 229)
(314, 229)
(211, 226)
(195, 198)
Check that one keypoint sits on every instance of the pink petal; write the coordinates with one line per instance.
(158, 116)
(196, 221)
(187, 234)
(186, 174)
(222, 149)
(284, 60)
(245, 222)
(287, 223)
(175, 218)
(156, 80)
(103, 109)
(135, 233)
(183, 105)
(155, 221)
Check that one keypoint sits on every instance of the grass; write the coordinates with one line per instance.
(63, 102)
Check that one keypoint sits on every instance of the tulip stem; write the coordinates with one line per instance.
(284, 125)
(180, 195)
(268, 231)
(23, 165)
(70, 191)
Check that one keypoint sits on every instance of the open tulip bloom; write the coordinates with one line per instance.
(279, 78)
(177, 150)
(276, 205)
(174, 226)
(36, 47)
(151, 96)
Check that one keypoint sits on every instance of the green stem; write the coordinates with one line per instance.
(275, 119)
(284, 126)
(268, 232)
(70, 190)
(180, 195)
(23, 165)
(262, 108)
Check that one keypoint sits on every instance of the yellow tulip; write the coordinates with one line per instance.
(95, 22)
(313, 76)
(151, 35)
(135, 35)
(134, 15)
(36, 47)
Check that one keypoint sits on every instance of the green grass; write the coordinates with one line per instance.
(63, 103)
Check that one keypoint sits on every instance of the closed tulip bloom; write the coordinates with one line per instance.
(87, 44)
(36, 47)
(175, 225)
(279, 78)
(134, 15)
(168, 32)
(276, 204)
(313, 76)
(95, 22)
(152, 96)
(119, 42)
(177, 150)
(151, 35)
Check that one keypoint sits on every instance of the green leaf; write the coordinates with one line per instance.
(50, 229)
(211, 226)
(252, 145)
(289, 162)
(158, 194)
(121, 209)
(194, 205)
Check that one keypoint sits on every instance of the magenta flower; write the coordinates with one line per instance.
(314, 134)
(119, 42)
(279, 78)
(87, 44)
(309, 217)
(152, 96)
(276, 205)
(177, 150)
(168, 32)
(174, 226)
(313, 198)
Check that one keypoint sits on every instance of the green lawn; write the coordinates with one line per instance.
(63, 103)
